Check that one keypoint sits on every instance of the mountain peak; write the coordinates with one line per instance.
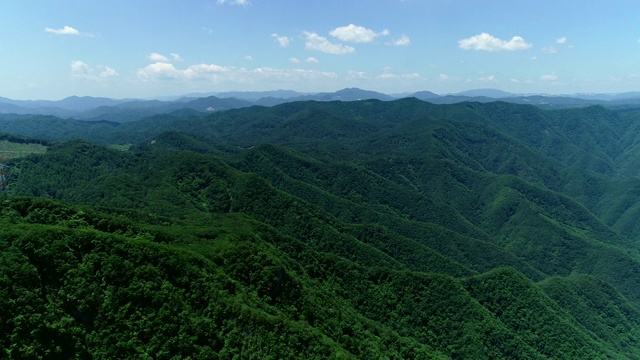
(491, 93)
(425, 95)
(351, 94)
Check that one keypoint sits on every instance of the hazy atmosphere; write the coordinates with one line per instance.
(163, 48)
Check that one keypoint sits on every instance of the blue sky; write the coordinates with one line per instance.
(144, 49)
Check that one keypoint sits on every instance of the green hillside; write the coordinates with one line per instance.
(12, 146)
(363, 229)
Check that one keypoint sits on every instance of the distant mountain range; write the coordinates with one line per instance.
(89, 108)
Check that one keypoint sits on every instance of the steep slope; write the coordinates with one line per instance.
(598, 307)
(77, 283)
(381, 272)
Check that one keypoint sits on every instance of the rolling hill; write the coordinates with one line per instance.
(327, 229)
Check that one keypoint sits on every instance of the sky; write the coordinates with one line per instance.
(148, 49)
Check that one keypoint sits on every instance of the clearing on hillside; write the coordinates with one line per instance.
(10, 149)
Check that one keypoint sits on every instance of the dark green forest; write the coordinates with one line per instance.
(350, 230)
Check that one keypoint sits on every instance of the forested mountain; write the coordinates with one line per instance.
(326, 229)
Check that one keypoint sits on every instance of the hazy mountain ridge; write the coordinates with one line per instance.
(96, 108)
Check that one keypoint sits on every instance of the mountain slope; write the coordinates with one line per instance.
(359, 230)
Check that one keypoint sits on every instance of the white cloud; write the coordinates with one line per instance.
(444, 77)
(204, 71)
(487, 42)
(67, 30)
(107, 72)
(312, 60)
(550, 77)
(157, 57)
(166, 71)
(160, 71)
(80, 69)
(405, 76)
(282, 40)
(357, 34)
(552, 49)
(533, 58)
(403, 41)
(165, 59)
(234, 2)
(320, 43)
(294, 60)
(248, 58)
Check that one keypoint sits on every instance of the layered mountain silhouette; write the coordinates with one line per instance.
(97, 109)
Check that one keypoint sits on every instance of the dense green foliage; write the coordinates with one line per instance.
(328, 230)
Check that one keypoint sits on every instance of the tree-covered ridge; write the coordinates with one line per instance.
(361, 243)
(97, 285)
(214, 288)
(350, 230)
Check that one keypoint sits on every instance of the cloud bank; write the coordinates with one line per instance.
(228, 74)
